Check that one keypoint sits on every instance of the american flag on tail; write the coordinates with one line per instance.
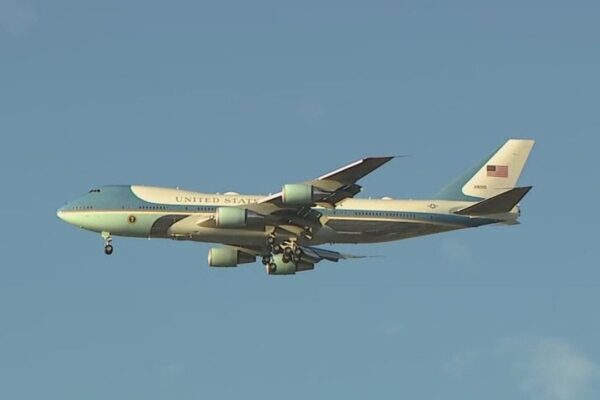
(497, 171)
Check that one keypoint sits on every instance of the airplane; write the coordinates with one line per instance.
(283, 229)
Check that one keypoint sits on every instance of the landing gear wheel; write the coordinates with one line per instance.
(287, 251)
(298, 252)
(266, 260)
(272, 268)
(286, 258)
(108, 249)
(271, 240)
(276, 249)
(296, 259)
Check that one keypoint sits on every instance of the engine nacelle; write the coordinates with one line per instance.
(279, 267)
(299, 194)
(231, 217)
(226, 257)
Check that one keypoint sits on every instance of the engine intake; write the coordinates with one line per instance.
(231, 217)
(226, 257)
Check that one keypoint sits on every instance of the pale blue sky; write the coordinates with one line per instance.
(245, 96)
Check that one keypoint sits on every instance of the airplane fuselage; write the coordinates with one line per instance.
(154, 212)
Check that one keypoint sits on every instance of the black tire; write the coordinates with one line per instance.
(270, 240)
(276, 249)
(296, 259)
(286, 258)
(287, 251)
(108, 249)
(298, 252)
(272, 268)
(266, 260)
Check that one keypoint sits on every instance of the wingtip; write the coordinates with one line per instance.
(383, 159)
(391, 157)
(355, 256)
(526, 189)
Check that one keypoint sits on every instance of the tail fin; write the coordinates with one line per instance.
(493, 176)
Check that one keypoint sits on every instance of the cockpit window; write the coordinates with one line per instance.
(94, 191)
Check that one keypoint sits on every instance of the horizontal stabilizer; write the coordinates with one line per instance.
(500, 204)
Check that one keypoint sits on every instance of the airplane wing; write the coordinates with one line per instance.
(299, 218)
(281, 263)
(309, 254)
(276, 264)
(318, 254)
(336, 185)
(328, 189)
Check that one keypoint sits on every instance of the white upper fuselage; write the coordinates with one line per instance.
(144, 211)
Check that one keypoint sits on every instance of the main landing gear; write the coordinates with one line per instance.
(289, 250)
(292, 252)
(108, 247)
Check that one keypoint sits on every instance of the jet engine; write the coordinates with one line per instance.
(227, 257)
(278, 267)
(231, 217)
(299, 194)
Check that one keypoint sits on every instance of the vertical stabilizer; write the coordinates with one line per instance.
(495, 175)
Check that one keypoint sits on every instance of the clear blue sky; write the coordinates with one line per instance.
(246, 96)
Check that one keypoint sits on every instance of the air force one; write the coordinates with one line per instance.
(283, 229)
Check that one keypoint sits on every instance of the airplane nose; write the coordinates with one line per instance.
(60, 213)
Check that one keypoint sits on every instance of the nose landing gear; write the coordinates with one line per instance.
(108, 247)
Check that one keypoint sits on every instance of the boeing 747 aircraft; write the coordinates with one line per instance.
(283, 229)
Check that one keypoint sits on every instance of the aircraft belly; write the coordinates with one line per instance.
(189, 229)
(230, 236)
(371, 231)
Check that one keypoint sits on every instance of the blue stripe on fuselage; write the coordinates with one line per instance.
(121, 197)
